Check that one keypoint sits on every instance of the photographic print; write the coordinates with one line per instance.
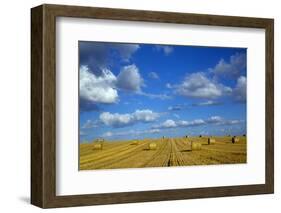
(152, 105)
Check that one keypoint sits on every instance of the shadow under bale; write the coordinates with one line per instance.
(186, 150)
(135, 143)
(235, 139)
(98, 146)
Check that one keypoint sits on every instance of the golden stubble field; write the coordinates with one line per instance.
(163, 152)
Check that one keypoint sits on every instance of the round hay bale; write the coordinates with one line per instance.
(97, 146)
(235, 139)
(135, 142)
(152, 146)
(99, 140)
(211, 140)
(195, 146)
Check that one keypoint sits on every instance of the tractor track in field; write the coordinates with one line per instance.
(154, 159)
(175, 158)
(191, 157)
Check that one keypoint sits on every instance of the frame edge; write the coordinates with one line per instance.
(37, 189)
(269, 73)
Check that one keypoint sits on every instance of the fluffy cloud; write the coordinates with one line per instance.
(107, 134)
(103, 88)
(125, 50)
(168, 124)
(214, 119)
(145, 115)
(220, 121)
(196, 122)
(152, 131)
(207, 103)
(240, 91)
(81, 133)
(173, 124)
(98, 55)
(129, 78)
(233, 68)
(197, 85)
(116, 119)
(97, 89)
(176, 107)
(120, 120)
(154, 96)
(131, 132)
(167, 50)
(217, 120)
(89, 124)
(232, 122)
(179, 107)
(153, 75)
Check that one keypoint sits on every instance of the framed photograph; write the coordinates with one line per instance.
(137, 106)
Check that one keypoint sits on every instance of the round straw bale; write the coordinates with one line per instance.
(195, 146)
(97, 146)
(152, 146)
(135, 142)
(211, 140)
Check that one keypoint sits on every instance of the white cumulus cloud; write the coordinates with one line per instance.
(98, 89)
(215, 120)
(174, 124)
(121, 120)
(233, 68)
(110, 134)
(197, 85)
(169, 124)
(97, 55)
(145, 115)
(240, 91)
(208, 103)
(89, 124)
(166, 49)
(153, 75)
(129, 78)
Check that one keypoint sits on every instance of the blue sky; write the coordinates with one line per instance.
(135, 91)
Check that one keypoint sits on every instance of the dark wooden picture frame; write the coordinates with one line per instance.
(43, 105)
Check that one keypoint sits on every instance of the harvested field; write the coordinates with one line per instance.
(163, 153)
